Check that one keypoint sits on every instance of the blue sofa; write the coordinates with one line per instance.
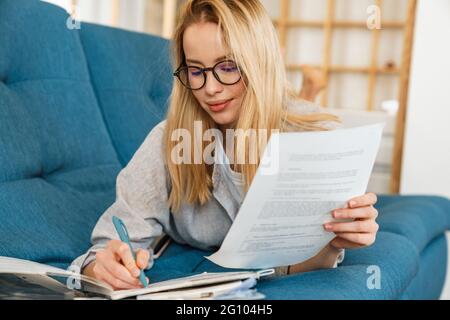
(75, 104)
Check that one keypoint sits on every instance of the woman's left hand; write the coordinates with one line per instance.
(358, 233)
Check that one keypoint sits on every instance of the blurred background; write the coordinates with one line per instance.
(366, 60)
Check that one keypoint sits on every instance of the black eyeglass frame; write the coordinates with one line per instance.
(203, 71)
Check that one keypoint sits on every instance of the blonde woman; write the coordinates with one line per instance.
(230, 76)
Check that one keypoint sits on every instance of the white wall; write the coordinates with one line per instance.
(426, 162)
(135, 15)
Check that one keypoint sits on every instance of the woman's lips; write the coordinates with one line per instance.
(220, 106)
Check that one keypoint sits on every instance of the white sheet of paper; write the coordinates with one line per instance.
(281, 219)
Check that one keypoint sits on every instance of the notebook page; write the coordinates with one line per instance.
(14, 265)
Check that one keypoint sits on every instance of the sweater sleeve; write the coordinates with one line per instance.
(142, 192)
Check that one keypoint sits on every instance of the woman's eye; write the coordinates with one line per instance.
(229, 68)
(196, 73)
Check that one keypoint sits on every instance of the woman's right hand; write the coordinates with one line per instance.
(115, 266)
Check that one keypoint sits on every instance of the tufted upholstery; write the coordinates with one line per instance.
(74, 107)
(139, 89)
(64, 100)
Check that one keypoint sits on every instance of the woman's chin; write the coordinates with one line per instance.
(223, 120)
(225, 124)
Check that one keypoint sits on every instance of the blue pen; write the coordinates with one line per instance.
(123, 234)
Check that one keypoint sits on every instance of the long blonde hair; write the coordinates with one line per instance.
(248, 32)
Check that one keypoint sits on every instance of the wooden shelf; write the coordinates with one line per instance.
(373, 70)
(345, 69)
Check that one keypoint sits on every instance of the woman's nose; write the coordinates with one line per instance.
(212, 86)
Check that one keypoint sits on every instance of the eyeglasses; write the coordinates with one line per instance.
(194, 78)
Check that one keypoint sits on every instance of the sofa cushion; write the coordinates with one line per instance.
(419, 218)
(430, 279)
(46, 95)
(396, 257)
(58, 165)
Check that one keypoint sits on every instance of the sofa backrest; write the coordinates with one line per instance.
(74, 107)
(132, 77)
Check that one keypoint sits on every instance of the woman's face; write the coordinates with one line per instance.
(203, 48)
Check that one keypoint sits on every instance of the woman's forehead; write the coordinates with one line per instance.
(203, 43)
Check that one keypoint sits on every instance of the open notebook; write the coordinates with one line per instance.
(27, 279)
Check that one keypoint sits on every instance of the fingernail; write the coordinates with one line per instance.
(352, 203)
(136, 272)
(327, 227)
(335, 214)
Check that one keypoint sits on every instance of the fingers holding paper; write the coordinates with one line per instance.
(369, 199)
(361, 230)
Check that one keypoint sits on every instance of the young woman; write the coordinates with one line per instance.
(230, 76)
